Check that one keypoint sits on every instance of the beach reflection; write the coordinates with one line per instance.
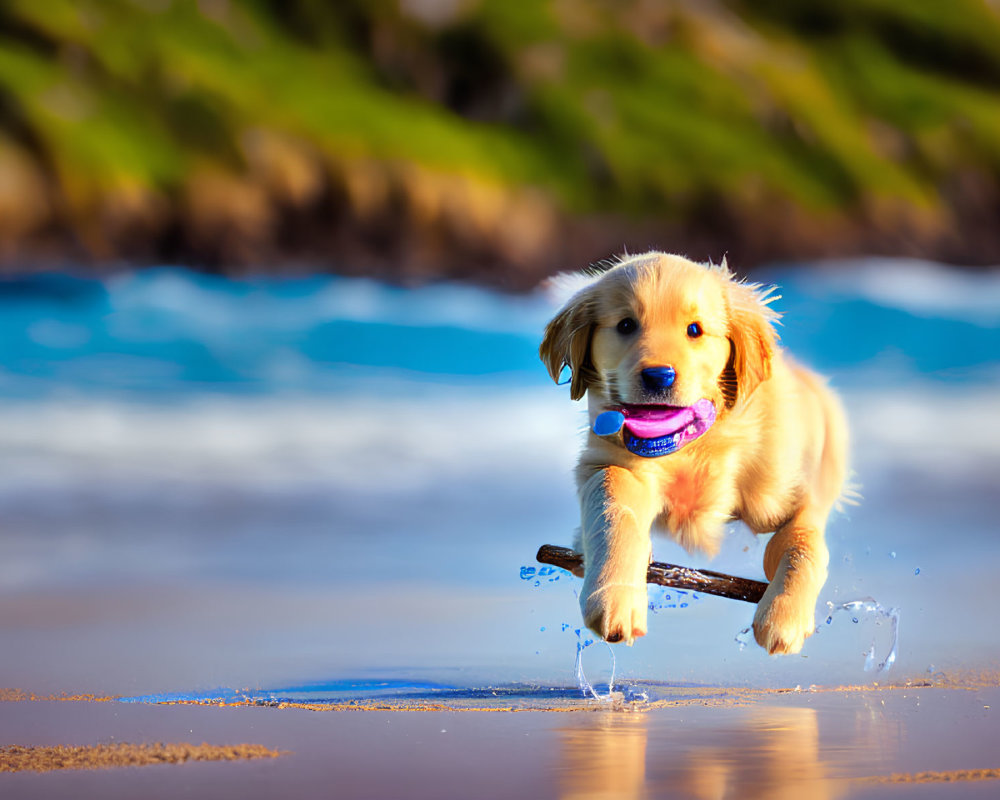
(769, 753)
(605, 757)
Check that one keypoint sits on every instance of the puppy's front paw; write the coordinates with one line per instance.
(616, 613)
(783, 621)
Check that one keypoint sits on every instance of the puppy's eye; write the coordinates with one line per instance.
(694, 330)
(627, 326)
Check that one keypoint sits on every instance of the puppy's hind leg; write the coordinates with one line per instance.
(616, 514)
(796, 558)
(795, 562)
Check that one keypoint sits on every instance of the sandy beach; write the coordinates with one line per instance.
(861, 742)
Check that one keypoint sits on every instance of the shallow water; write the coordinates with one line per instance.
(858, 744)
(282, 483)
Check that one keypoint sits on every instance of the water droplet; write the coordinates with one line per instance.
(892, 554)
(546, 571)
(916, 571)
(527, 573)
(870, 658)
(538, 583)
(633, 694)
(874, 615)
(581, 679)
(542, 628)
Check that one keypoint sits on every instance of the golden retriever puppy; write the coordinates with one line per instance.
(700, 419)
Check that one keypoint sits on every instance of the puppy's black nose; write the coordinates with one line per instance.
(658, 379)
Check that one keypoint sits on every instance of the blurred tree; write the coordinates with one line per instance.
(418, 139)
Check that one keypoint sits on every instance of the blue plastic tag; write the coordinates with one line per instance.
(609, 423)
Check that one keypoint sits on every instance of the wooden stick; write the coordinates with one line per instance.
(696, 580)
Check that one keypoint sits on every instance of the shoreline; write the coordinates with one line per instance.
(843, 741)
(529, 697)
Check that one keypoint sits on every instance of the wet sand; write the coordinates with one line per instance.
(15, 758)
(838, 742)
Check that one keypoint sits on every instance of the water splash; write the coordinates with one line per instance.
(663, 599)
(870, 658)
(586, 689)
(863, 609)
(635, 694)
(539, 575)
(870, 609)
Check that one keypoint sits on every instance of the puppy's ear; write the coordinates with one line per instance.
(566, 342)
(752, 339)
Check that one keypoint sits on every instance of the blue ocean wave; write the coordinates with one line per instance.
(171, 330)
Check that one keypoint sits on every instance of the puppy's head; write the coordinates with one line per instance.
(659, 330)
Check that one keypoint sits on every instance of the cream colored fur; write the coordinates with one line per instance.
(775, 457)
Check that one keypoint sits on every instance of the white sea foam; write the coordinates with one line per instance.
(939, 429)
(407, 435)
(922, 288)
(304, 303)
(366, 442)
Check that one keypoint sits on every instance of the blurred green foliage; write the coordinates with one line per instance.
(637, 108)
